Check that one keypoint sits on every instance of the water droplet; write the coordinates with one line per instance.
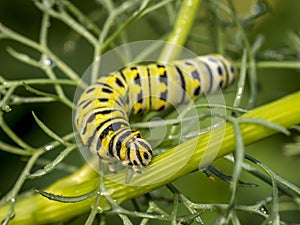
(12, 200)
(48, 147)
(6, 108)
(264, 210)
(48, 62)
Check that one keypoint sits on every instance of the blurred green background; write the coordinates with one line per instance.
(24, 17)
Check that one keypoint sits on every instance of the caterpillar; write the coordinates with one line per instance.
(102, 113)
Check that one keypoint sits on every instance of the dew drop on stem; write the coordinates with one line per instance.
(48, 147)
(264, 210)
(48, 62)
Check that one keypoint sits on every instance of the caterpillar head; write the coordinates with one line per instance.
(139, 152)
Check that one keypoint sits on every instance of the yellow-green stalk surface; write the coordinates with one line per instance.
(181, 30)
(35, 209)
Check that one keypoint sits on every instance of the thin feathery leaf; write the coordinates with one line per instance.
(49, 132)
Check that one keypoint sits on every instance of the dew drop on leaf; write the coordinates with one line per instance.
(48, 147)
(264, 210)
(48, 62)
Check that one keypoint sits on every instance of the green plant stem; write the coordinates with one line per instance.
(12, 195)
(251, 56)
(278, 64)
(62, 15)
(10, 34)
(41, 81)
(81, 17)
(181, 30)
(123, 26)
(113, 18)
(35, 209)
(21, 143)
(48, 68)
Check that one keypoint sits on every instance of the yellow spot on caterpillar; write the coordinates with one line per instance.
(106, 140)
(136, 133)
(134, 72)
(111, 101)
(136, 89)
(137, 107)
(196, 84)
(191, 68)
(161, 103)
(122, 152)
(99, 117)
(111, 79)
(162, 87)
(114, 95)
(101, 154)
(161, 70)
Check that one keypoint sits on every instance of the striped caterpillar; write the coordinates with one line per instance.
(104, 107)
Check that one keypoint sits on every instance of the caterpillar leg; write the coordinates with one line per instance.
(105, 159)
(112, 166)
(135, 168)
(113, 163)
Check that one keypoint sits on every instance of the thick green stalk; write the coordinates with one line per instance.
(181, 30)
(35, 209)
